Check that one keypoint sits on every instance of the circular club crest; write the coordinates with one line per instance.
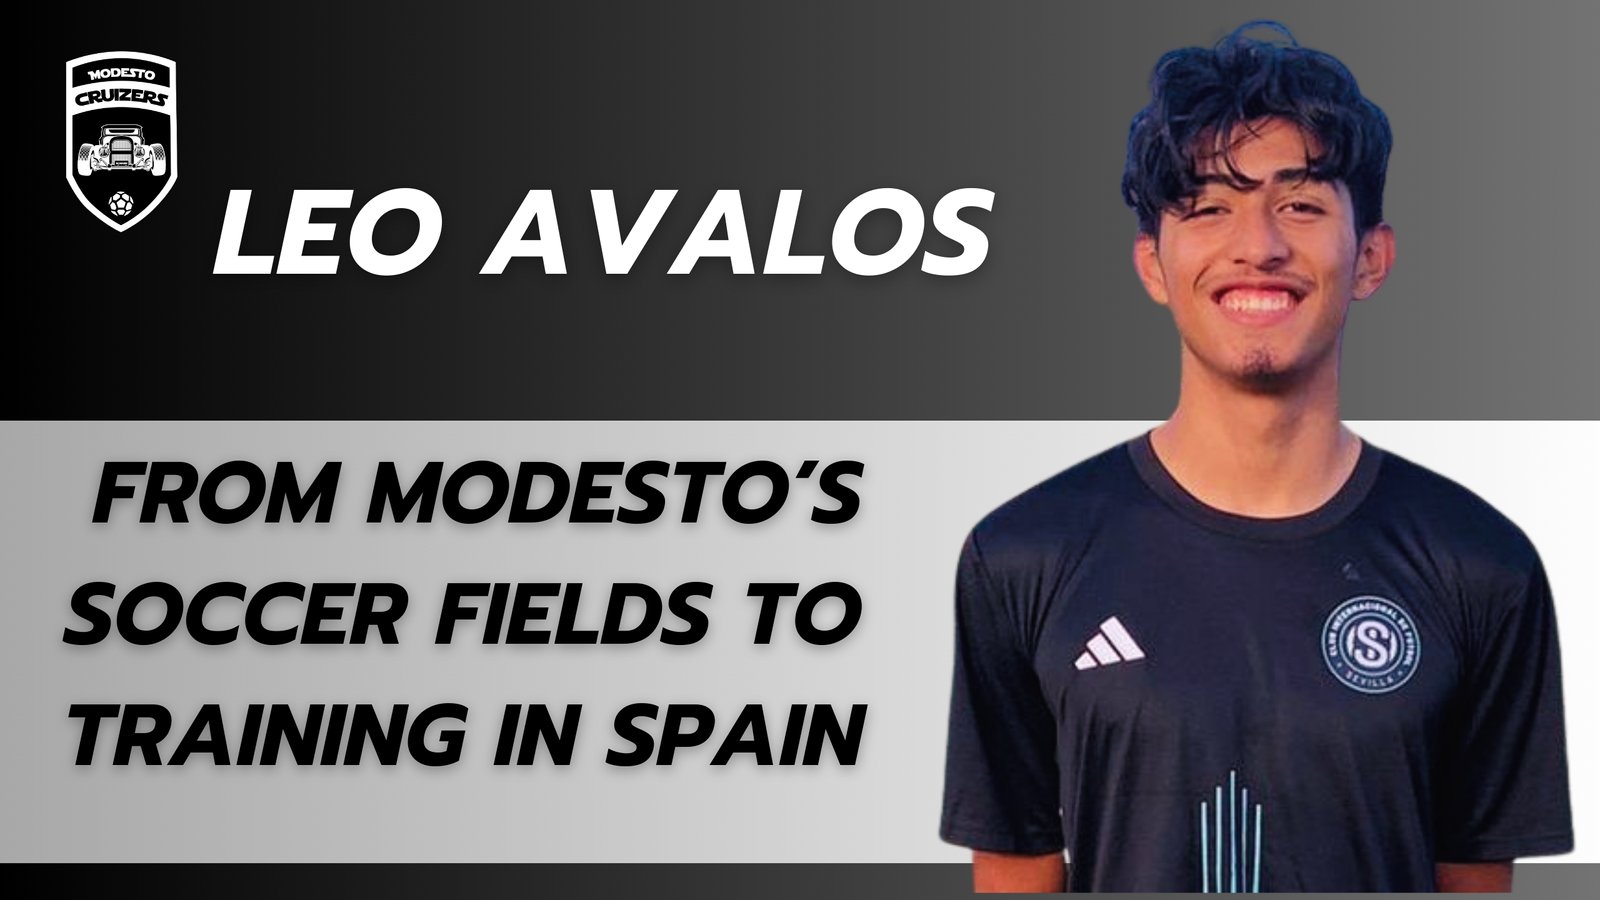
(1370, 644)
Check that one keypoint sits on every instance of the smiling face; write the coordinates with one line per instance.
(1259, 275)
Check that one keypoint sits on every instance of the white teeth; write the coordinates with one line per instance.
(1241, 300)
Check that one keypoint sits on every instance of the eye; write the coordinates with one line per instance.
(1204, 209)
(1304, 208)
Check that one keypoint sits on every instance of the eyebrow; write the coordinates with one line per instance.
(1282, 176)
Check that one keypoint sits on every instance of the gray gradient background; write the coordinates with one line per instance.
(926, 483)
(1490, 313)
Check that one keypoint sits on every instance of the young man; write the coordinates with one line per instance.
(1248, 651)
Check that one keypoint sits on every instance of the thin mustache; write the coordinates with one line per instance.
(1295, 285)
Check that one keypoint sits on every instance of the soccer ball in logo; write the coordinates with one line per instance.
(121, 203)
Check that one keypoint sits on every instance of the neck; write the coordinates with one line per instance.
(1260, 454)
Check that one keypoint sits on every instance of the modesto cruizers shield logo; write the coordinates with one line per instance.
(1371, 645)
(122, 133)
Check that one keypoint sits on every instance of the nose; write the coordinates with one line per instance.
(1259, 239)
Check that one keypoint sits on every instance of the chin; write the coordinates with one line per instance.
(1263, 372)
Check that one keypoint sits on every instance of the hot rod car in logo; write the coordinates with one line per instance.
(122, 148)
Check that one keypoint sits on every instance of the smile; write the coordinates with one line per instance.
(1258, 304)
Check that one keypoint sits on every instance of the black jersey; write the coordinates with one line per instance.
(1189, 700)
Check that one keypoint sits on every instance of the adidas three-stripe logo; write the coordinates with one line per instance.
(1111, 644)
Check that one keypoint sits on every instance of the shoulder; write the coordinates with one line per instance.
(1056, 516)
(1467, 539)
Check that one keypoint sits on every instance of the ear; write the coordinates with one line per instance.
(1374, 259)
(1148, 264)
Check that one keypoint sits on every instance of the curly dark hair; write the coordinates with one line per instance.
(1198, 97)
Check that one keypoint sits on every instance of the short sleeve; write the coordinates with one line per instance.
(1001, 783)
(1504, 790)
